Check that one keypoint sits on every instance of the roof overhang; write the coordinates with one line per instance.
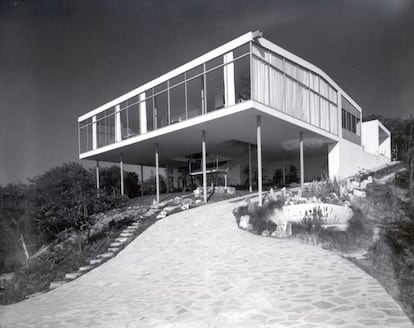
(280, 135)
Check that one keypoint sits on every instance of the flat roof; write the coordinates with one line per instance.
(247, 37)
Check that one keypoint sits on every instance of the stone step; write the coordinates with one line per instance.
(116, 244)
(85, 268)
(113, 249)
(72, 275)
(125, 234)
(130, 229)
(56, 284)
(105, 255)
(95, 262)
(121, 239)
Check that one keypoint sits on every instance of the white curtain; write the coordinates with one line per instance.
(333, 116)
(276, 90)
(260, 79)
(290, 94)
(324, 88)
(324, 114)
(314, 109)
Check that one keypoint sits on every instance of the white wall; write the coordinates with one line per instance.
(353, 158)
(370, 137)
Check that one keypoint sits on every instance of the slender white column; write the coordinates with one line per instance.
(142, 114)
(157, 174)
(225, 180)
(142, 180)
(97, 177)
(284, 169)
(229, 90)
(118, 132)
(259, 159)
(168, 178)
(250, 169)
(121, 167)
(94, 133)
(302, 172)
(203, 146)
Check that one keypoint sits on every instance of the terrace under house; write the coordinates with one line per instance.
(234, 116)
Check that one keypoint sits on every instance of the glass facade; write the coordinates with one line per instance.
(293, 89)
(247, 72)
(351, 122)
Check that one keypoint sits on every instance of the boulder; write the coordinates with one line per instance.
(185, 207)
(370, 180)
(360, 193)
(244, 222)
(178, 200)
(265, 233)
(187, 201)
(231, 190)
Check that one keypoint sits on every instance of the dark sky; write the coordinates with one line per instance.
(60, 59)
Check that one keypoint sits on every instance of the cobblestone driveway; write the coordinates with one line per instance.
(196, 269)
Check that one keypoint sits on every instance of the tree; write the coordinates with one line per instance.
(62, 198)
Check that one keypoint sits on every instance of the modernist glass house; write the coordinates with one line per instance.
(248, 96)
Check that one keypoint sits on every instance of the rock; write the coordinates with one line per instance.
(72, 275)
(115, 244)
(85, 268)
(265, 233)
(244, 222)
(125, 234)
(178, 200)
(283, 190)
(198, 201)
(283, 230)
(333, 195)
(56, 284)
(360, 193)
(95, 262)
(161, 215)
(105, 255)
(185, 207)
(350, 186)
(249, 227)
(121, 240)
(187, 201)
(170, 209)
(356, 184)
(231, 190)
(370, 180)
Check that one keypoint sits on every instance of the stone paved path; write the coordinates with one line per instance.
(196, 269)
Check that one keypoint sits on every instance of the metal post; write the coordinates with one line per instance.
(121, 168)
(250, 169)
(302, 175)
(142, 180)
(259, 159)
(284, 169)
(97, 178)
(203, 146)
(157, 175)
(168, 178)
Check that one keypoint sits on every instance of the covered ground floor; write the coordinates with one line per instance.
(249, 144)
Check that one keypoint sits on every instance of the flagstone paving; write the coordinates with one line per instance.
(196, 269)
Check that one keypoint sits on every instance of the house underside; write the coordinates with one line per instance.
(246, 111)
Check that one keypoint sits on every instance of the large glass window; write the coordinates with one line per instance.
(105, 127)
(215, 89)
(242, 79)
(85, 135)
(149, 106)
(161, 109)
(195, 96)
(177, 104)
